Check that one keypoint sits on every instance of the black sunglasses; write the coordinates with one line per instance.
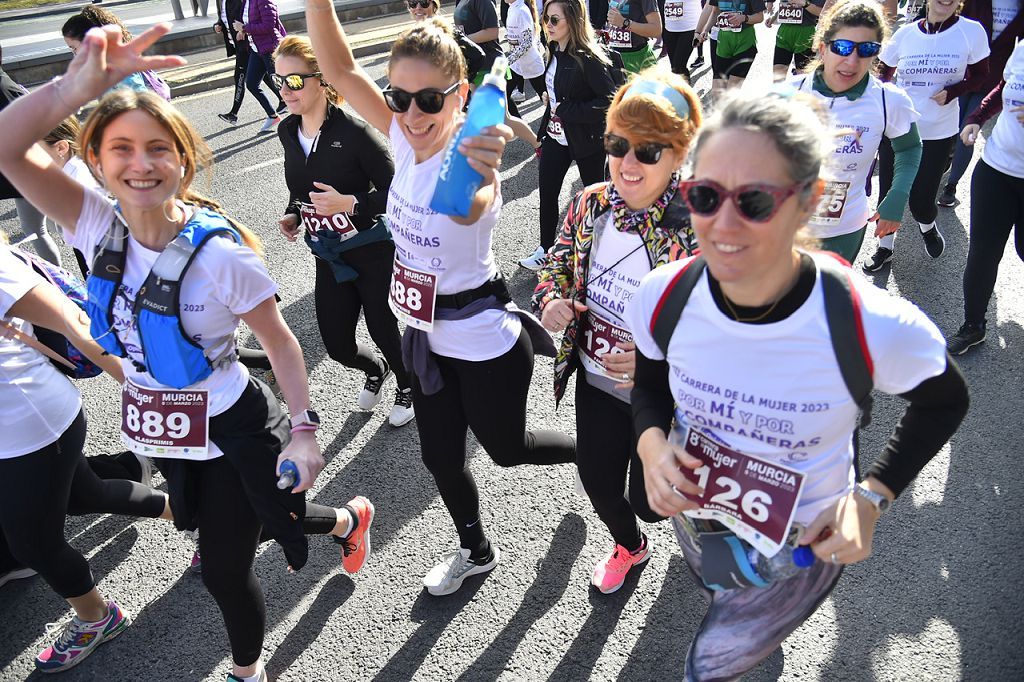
(424, 4)
(551, 20)
(429, 100)
(844, 48)
(756, 202)
(648, 153)
(294, 81)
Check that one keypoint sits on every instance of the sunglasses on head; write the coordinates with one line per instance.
(294, 81)
(423, 4)
(429, 100)
(553, 21)
(756, 202)
(648, 153)
(844, 48)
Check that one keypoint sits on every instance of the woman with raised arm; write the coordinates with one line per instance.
(764, 355)
(470, 350)
(221, 436)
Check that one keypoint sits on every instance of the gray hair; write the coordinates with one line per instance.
(794, 122)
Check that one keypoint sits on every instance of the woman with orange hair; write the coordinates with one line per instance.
(614, 234)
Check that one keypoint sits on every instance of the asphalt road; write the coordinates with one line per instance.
(936, 601)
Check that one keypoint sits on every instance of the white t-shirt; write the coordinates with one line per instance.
(1003, 12)
(1004, 150)
(555, 130)
(306, 142)
(681, 15)
(927, 63)
(77, 170)
(618, 261)
(858, 132)
(775, 390)
(37, 403)
(224, 281)
(519, 23)
(459, 255)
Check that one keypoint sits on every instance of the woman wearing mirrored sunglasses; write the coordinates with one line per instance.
(470, 351)
(338, 174)
(614, 234)
(863, 111)
(580, 79)
(750, 365)
(935, 60)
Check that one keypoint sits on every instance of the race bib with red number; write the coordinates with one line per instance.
(754, 498)
(791, 15)
(165, 422)
(412, 296)
(555, 130)
(833, 201)
(338, 223)
(619, 38)
(722, 23)
(597, 338)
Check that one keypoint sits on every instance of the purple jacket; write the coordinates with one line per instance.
(264, 26)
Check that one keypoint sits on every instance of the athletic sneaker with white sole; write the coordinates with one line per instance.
(269, 124)
(78, 639)
(402, 413)
(611, 571)
(448, 576)
(371, 393)
(536, 260)
(934, 243)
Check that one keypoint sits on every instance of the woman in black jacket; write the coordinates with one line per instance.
(581, 78)
(338, 174)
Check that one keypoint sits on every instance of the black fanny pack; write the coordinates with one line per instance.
(493, 287)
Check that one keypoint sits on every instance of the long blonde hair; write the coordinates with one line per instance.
(194, 152)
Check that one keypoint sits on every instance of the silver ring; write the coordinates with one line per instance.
(834, 560)
(675, 489)
(625, 376)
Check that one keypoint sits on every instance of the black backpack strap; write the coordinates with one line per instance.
(846, 327)
(673, 300)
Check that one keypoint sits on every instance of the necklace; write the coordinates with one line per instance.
(938, 27)
(735, 315)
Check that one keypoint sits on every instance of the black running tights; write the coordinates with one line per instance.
(37, 492)
(997, 206)
(488, 397)
(555, 160)
(934, 159)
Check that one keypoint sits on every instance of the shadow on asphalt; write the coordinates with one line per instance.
(332, 595)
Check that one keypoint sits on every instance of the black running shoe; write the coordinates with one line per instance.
(230, 119)
(948, 197)
(697, 63)
(934, 244)
(968, 336)
(878, 261)
(282, 108)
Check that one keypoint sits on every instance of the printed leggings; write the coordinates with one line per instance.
(605, 449)
(488, 397)
(743, 627)
(37, 492)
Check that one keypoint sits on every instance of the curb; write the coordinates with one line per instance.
(50, 10)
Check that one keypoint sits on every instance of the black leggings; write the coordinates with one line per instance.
(337, 312)
(997, 206)
(488, 397)
(679, 46)
(242, 52)
(934, 157)
(517, 82)
(555, 160)
(37, 492)
(605, 448)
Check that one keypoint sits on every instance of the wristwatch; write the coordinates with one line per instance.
(355, 206)
(307, 417)
(626, 23)
(746, 18)
(880, 501)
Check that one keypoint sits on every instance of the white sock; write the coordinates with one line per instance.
(925, 228)
(888, 241)
(352, 521)
(257, 676)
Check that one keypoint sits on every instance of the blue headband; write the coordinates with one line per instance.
(658, 89)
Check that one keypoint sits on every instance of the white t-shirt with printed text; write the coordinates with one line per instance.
(929, 62)
(1004, 150)
(519, 22)
(38, 402)
(1003, 12)
(459, 255)
(857, 127)
(224, 281)
(775, 390)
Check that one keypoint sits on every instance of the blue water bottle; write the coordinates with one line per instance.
(458, 182)
(785, 564)
(289, 477)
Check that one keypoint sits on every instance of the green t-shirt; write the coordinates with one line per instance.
(731, 41)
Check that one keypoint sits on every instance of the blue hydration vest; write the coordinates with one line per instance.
(171, 356)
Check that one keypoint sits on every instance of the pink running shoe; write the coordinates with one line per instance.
(78, 639)
(610, 572)
(356, 547)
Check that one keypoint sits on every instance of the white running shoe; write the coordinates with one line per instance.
(402, 413)
(447, 576)
(536, 260)
(518, 96)
(371, 393)
(269, 124)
